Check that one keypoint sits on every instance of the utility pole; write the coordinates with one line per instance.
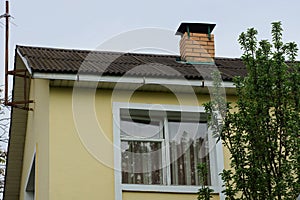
(21, 73)
(6, 50)
(6, 57)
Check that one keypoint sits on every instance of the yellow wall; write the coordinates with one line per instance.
(37, 140)
(80, 171)
(74, 173)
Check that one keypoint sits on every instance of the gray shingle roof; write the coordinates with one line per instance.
(52, 60)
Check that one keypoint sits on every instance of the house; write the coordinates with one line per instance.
(122, 126)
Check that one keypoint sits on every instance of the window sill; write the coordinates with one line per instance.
(164, 188)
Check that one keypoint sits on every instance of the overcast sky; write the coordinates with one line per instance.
(86, 24)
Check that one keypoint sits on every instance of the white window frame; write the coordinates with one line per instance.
(30, 195)
(216, 154)
(160, 140)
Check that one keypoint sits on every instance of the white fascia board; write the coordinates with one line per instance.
(24, 61)
(132, 80)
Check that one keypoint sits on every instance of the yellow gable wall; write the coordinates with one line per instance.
(37, 141)
(81, 138)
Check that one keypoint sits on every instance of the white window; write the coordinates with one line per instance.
(30, 186)
(160, 148)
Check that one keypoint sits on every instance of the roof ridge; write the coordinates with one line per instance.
(111, 52)
(68, 49)
(94, 51)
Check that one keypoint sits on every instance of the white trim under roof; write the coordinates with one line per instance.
(134, 80)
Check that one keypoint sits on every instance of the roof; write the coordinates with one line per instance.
(70, 61)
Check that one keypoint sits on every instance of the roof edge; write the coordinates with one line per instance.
(114, 52)
(24, 60)
(97, 51)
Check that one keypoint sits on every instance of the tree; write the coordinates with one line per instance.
(262, 131)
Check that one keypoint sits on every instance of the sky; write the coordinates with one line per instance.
(86, 24)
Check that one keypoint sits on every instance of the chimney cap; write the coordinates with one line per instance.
(195, 28)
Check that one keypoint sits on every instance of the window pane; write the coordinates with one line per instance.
(141, 128)
(188, 148)
(141, 162)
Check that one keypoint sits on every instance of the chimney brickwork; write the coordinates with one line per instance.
(197, 43)
(197, 48)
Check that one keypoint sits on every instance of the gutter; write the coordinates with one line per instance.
(132, 80)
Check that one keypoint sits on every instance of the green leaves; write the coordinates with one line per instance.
(291, 51)
(277, 35)
(204, 192)
(248, 41)
(263, 137)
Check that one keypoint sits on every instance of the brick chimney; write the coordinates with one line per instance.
(197, 43)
